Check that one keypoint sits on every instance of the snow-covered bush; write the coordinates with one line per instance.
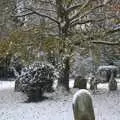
(36, 79)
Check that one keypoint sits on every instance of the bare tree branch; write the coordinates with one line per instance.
(94, 8)
(105, 42)
(23, 15)
(112, 31)
(77, 6)
(50, 10)
(86, 13)
(91, 10)
(39, 14)
(77, 22)
(82, 22)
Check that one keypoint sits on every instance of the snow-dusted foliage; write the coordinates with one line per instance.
(16, 65)
(36, 79)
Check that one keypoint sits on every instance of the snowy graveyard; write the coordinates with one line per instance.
(57, 106)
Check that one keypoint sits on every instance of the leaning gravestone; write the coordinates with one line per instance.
(83, 106)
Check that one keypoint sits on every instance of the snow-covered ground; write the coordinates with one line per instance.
(58, 106)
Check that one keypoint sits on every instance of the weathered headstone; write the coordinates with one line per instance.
(80, 82)
(107, 71)
(83, 106)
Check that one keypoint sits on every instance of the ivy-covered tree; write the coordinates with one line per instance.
(64, 16)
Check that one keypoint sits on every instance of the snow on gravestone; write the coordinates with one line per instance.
(83, 106)
(104, 72)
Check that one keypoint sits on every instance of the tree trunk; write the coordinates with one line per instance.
(64, 77)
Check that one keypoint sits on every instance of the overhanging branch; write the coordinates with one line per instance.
(37, 13)
(77, 22)
(112, 31)
(25, 14)
(105, 42)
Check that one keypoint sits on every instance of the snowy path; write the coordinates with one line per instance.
(57, 107)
